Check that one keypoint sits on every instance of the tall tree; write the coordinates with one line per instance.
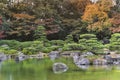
(97, 15)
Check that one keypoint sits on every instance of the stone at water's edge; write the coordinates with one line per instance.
(83, 61)
(84, 67)
(100, 62)
(59, 67)
(53, 55)
(20, 57)
(87, 54)
(3, 57)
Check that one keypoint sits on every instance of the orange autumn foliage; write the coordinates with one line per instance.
(92, 12)
(105, 5)
(115, 23)
(97, 15)
(22, 16)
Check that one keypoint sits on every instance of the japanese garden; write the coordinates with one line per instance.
(59, 39)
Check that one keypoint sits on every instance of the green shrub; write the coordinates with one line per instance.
(115, 42)
(26, 44)
(39, 33)
(74, 46)
(57, 42)
(69, 39)
(46, 50)
(115, 37)
(13, 44)
(11, 51)
(29, 50)
(87, 36)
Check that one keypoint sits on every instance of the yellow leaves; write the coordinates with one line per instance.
(102, 15)
(91, 11)
(99, 26)
(105, 5)
(22, 16)
(96, 15)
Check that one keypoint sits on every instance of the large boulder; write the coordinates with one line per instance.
(86, 54)
(53, 55)
(80, 60)
(59, 67)
(83, 61)
(20, 57)
(2, 56)
(112, 58)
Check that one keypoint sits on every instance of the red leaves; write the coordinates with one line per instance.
(116, 23)
(51, 27)
(0, 20)
(114, 30)
(2, 34)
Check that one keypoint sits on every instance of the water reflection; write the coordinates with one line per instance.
(41, 70)
(98, 67)
(84, 67)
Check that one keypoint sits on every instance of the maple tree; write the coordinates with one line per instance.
(97, 15)
(115, 23)
(2, 35)
(105, 5)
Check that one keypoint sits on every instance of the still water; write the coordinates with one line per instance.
(42, 70)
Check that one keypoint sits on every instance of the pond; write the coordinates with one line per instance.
(42, 70)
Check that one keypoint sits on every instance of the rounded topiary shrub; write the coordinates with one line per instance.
(74, 46)
(115, 42)
(91, 43)
(87, 36)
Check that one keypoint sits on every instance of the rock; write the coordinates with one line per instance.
(20, 57)
(5, 46)
(100, 62)
(2, 57)
(87, 54)
(59, 67)
(69, 53)
(106, 51)
(107, 57)
(76, 59)
(112, 58)
(53, 55)
(83, 61)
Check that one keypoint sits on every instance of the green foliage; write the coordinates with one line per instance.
(91, 43)
(115, 37)
(57, 42)
(13, 44)
(69, 39)
(73, 46)
(29, 50)
(115, 42)
(40, 33)
(25, 44)
(46, 50)
(11, 51)
(87, 36)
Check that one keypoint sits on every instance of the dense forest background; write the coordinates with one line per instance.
(58, 19)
